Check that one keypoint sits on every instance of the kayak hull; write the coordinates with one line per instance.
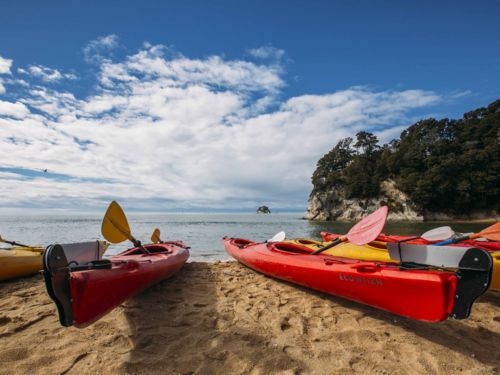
(20, 261)
(418, 294)
(90, 294)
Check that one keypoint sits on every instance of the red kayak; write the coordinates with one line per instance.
(417, 292)
(487, 245)
(85, 287)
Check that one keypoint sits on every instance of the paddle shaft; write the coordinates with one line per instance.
(15, 243)
(335, 242)
(455, 240)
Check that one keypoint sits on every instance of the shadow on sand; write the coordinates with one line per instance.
(179, 326)
(457, 335)
(177, 329)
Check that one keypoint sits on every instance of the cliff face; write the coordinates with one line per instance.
(332, 205)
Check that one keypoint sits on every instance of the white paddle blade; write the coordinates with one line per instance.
(438, 234)
(278, 237)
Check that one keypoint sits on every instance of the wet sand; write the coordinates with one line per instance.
(223, 318)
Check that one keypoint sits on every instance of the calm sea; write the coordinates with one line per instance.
(203, 232)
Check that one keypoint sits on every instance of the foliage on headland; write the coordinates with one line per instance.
(450, 166)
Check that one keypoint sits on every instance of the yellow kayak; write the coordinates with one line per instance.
(20, 261)
(495, 280)
(377, 251)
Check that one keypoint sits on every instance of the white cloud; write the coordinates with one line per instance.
(183, 132)
(46, 74)
(267, 52)
(96, 50)
(16, 110)
(5, 65)
(461, 94)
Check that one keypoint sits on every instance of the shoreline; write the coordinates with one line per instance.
(457, 221)
(225, 318)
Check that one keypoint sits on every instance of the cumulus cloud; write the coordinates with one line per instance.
(5, 65)
(16, 110)
(96, 50)
(46, 74)
(184, 132)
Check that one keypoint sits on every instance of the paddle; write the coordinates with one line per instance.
(278, 237)
(436, 234)
(13, 243)
(491, 233)
(155, 237)
(363, 232)
(115, 226)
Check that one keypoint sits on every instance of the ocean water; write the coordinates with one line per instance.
(203, 232)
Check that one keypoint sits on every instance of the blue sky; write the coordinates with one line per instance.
(255, 80)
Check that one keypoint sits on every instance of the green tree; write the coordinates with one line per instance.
(443, 165)
(329, 168)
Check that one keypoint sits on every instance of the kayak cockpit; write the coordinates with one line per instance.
(241, 242)
(305, 241)
(148, 249)
(291, 248)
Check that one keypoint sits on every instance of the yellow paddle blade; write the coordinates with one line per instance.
(155, 237)
(115, 226)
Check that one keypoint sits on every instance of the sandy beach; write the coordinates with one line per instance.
(223, 318)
